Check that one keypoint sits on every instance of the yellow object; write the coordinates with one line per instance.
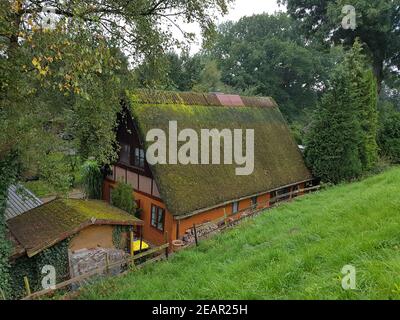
(136, 246)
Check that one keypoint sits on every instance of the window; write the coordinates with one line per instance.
(235, 207)
(125, 153)
(157, 217)
(139, 158)
(254, 202)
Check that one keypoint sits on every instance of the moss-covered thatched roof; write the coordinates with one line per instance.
(55, 221)
(192, 188)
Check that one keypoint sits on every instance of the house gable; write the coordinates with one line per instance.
(189, 188)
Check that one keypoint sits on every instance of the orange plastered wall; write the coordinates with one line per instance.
(151, 234)
(172, 226)
(208, 216)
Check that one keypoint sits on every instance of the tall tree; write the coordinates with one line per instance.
(66, 76)
(333, 140)
(365, 101)
(210, 79)
(342, 142)
(378, 25)
(267, 55)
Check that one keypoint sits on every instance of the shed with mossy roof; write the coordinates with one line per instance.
(58, 220)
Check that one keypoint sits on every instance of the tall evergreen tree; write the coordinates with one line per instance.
(333, 141)
(365, 100)
(342, 142)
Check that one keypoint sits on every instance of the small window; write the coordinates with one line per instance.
(125, 153)
(157, 217)
(254, 201)
(139, 158)
(235, 207)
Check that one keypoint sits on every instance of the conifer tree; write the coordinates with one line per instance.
(342, 142)
(365, 100)
(333, 141)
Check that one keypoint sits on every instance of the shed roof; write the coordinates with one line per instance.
(44, 226)
(186, 189)
(20, 200)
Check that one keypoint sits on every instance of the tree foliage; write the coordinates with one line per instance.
(210, 79)
(342, 142)
(92, 180)
(199, 73)
(60, 86)
(267, 55)
(364, 100)
(122, 197)
(378, 26)
(333, 140)
(9, 168)
(389, 137)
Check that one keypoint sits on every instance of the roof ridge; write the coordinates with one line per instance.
(149, 96)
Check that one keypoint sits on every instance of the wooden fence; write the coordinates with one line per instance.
(131, 263)
(134, 262)
(231, 220)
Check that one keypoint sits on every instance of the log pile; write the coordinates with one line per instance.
(202, 230)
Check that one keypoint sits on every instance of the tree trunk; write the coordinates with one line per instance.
(378, 71)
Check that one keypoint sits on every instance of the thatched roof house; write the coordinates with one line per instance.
(175, 194)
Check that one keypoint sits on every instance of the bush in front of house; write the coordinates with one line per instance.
(122, 198)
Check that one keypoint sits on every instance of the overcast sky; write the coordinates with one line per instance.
(239, 9)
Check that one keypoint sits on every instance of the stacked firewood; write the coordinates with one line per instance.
(202, 230)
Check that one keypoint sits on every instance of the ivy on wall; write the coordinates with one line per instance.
(120, 237)
(9, 168)
(56, 256)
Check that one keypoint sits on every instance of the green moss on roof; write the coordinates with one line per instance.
(186, 189)
(55, 221)
(192, 99)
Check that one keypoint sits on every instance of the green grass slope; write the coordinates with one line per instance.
(296, 251)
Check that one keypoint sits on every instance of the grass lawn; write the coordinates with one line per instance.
(296, 251)
(40, 188)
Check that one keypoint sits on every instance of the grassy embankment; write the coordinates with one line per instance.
(296, 251)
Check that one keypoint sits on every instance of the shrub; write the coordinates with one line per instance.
(389, 137)
(122, 198)
(92, 180)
